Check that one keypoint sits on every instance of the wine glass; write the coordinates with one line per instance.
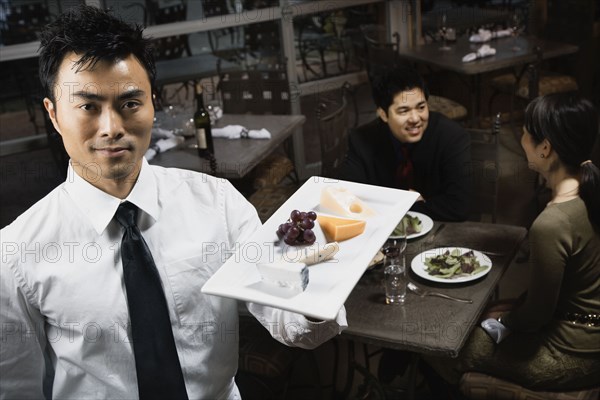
(444, 34)
(516, 26)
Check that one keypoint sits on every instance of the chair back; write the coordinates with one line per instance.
(319, 35)
(224, 42)
(171, 47)
(332, 125)
(260, 91)
(172, 13)
(480, 386)
(381, 55)
(484, 170)
(22, 22)
(533, 74)
(263, 41)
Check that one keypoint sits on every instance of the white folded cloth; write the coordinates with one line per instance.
(160, 133)
(483, 51)
(163, 145)
(484, 35)
(238, 131)
(496, 329)
(259, 134)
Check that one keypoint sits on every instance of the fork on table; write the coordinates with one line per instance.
(422, 293)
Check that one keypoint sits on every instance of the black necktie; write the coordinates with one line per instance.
(156, 362)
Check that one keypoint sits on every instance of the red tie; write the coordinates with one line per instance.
(404, 171)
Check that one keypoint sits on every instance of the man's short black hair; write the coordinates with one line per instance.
(389, 83)
(95, 35)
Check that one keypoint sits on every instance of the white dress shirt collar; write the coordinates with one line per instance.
(100, 207)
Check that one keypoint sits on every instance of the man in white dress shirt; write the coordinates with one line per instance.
(63, 304)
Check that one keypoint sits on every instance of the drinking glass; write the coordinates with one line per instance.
(444, 34)
(516, 26)
(394, 273)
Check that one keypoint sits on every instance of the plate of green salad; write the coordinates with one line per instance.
(451, 265)
(415, 223)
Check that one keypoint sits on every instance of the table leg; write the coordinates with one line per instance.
(413, 368)
(475, 100)
(370, 384)
(349, 370)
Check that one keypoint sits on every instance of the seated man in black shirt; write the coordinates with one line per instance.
(408, 147)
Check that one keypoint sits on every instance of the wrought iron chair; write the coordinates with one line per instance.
(530, 83)
(173, 46)
(170, 47)
(21, 24)
(262, 42)
(569, 21)
(485, 171)
(22, 77)
(23, 21)
(266, 367)
(382, 55)
(223, 42)
(332, 125)
(321, 34)
(265, 90)
(478, 386)
(255, 91)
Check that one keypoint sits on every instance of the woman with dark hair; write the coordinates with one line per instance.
(550, 339)
(568, 125)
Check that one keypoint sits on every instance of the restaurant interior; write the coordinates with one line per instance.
(320, 56)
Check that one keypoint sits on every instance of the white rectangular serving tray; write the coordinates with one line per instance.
(330, 282)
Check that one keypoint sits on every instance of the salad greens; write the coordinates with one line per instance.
(452, 264)
(409, 224)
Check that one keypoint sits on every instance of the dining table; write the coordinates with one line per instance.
(429, 325)
(512, 52)
(235, 158)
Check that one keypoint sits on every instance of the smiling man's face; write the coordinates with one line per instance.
(408, 115)
(105, 117)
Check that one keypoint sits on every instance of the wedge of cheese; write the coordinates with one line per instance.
(338, 229)
(293, 276)
(340, 201)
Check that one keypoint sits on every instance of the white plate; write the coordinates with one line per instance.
(330, 282)
(418, 265)
(426, 225)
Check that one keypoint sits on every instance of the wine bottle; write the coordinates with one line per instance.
(202, 126)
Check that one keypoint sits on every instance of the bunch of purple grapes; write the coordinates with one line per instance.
(297, 229)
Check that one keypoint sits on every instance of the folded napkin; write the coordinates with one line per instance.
(484, 35)
(483, 51)
(496, 329)
(163, 145)
(159, 133)
(238, 131)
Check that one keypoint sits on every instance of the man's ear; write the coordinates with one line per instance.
(382, 114)
(49, 106)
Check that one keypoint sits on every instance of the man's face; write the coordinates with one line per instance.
(105, 117)
(408, 115)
